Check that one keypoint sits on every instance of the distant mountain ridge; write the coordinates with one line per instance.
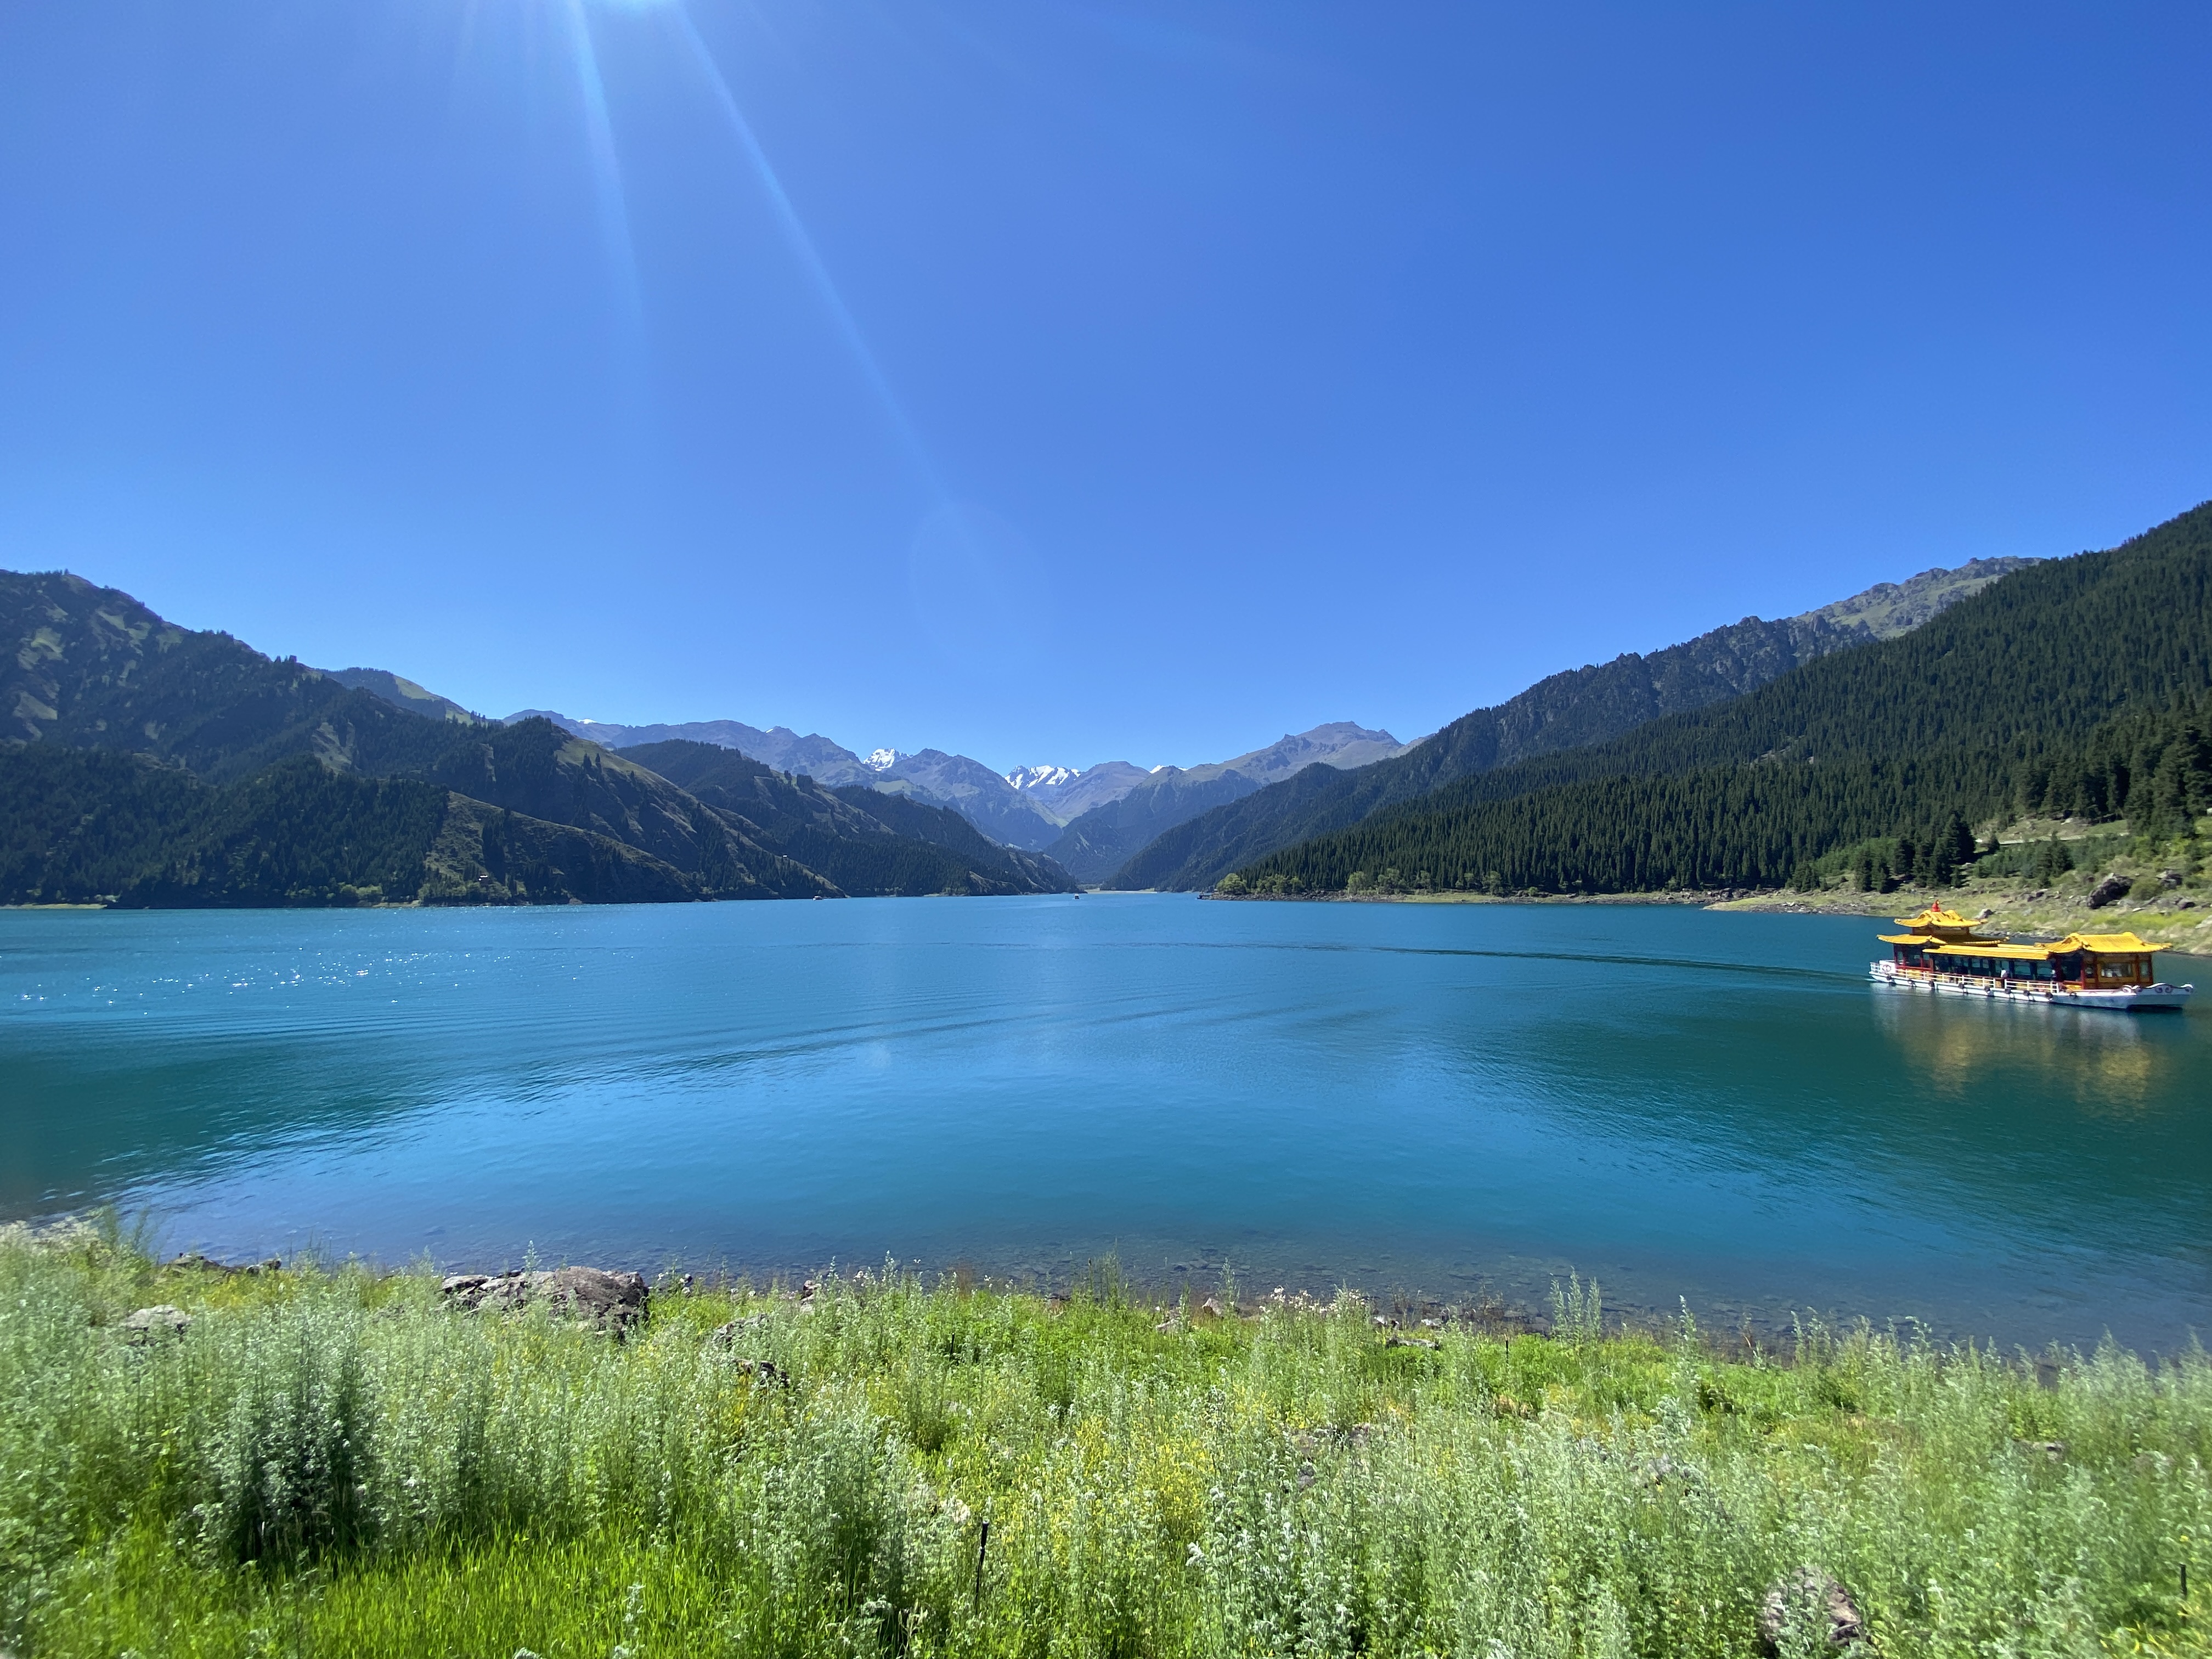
(1568, 710)
(813, 755)
(1099, 842)
(1028, 808)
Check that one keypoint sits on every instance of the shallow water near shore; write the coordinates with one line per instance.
(1456, 1102)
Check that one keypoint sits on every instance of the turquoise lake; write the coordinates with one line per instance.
(1453, 1101)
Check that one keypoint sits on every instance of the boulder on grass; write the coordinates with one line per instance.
(2112, 887)
(1810, 1597)
(156, 1323)
(610, 1300)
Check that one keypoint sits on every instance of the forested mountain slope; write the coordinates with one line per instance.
(144, 762)
(1581, 706)
(403, 693)
(92, 668)
(1996, 704)
(863, 841)
(81, 826)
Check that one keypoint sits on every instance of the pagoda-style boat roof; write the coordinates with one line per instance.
(1935, 919)
(1935, 926)
(2110, 945)
(1938, 932)
(2095, 945)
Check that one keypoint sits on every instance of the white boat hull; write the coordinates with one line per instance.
(2124, 999)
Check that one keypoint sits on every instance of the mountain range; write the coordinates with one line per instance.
(1582, 706)
(1030, 808)
(2073, 687)
(144, 763)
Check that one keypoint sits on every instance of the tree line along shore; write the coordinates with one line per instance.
(303, 1460)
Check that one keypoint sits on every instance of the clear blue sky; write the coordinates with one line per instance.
(1064, 382)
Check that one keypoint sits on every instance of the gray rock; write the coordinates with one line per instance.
(1813, 1597)
(2112, 887)
(611, 1301)
(156, 1323)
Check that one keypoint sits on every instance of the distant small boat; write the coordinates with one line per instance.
(1941, 952)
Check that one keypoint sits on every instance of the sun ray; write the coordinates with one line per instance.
(608, 196)
(809, 258)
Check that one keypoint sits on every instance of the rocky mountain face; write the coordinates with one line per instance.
(1889, 608)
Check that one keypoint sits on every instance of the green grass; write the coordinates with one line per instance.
(331, 1462)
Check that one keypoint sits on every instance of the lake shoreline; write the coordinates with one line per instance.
(383, 1466)
(2003, 908)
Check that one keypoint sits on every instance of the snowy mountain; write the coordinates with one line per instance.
(1041, 777)
(1028, 808)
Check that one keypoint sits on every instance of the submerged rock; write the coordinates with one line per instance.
(1813, 1597)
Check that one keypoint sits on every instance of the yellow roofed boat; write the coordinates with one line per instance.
(1942, 952)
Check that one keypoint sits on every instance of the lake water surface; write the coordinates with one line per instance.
(1454, 1101)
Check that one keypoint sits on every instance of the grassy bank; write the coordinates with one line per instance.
(333, 1462)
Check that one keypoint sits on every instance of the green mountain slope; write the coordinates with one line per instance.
(867, 843)
(88, 826)
(1578, 708)
(203, 772)
(2001, 701)
(94, 669)
(536, 769)
(404, 694)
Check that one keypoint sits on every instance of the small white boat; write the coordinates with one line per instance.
(1941, 954)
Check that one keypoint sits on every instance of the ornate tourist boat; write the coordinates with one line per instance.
(1940, 951)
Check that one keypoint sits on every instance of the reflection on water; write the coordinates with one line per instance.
(2112, 1065)
(1436, 1098)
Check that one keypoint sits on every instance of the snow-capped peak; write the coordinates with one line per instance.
(882, 760)
(1042, 777)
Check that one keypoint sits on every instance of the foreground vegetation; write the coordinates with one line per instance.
(336, 1462)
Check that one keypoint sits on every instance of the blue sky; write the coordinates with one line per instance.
(1062, 382)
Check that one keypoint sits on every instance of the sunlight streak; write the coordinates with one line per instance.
(810, 259)
(606, 176)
